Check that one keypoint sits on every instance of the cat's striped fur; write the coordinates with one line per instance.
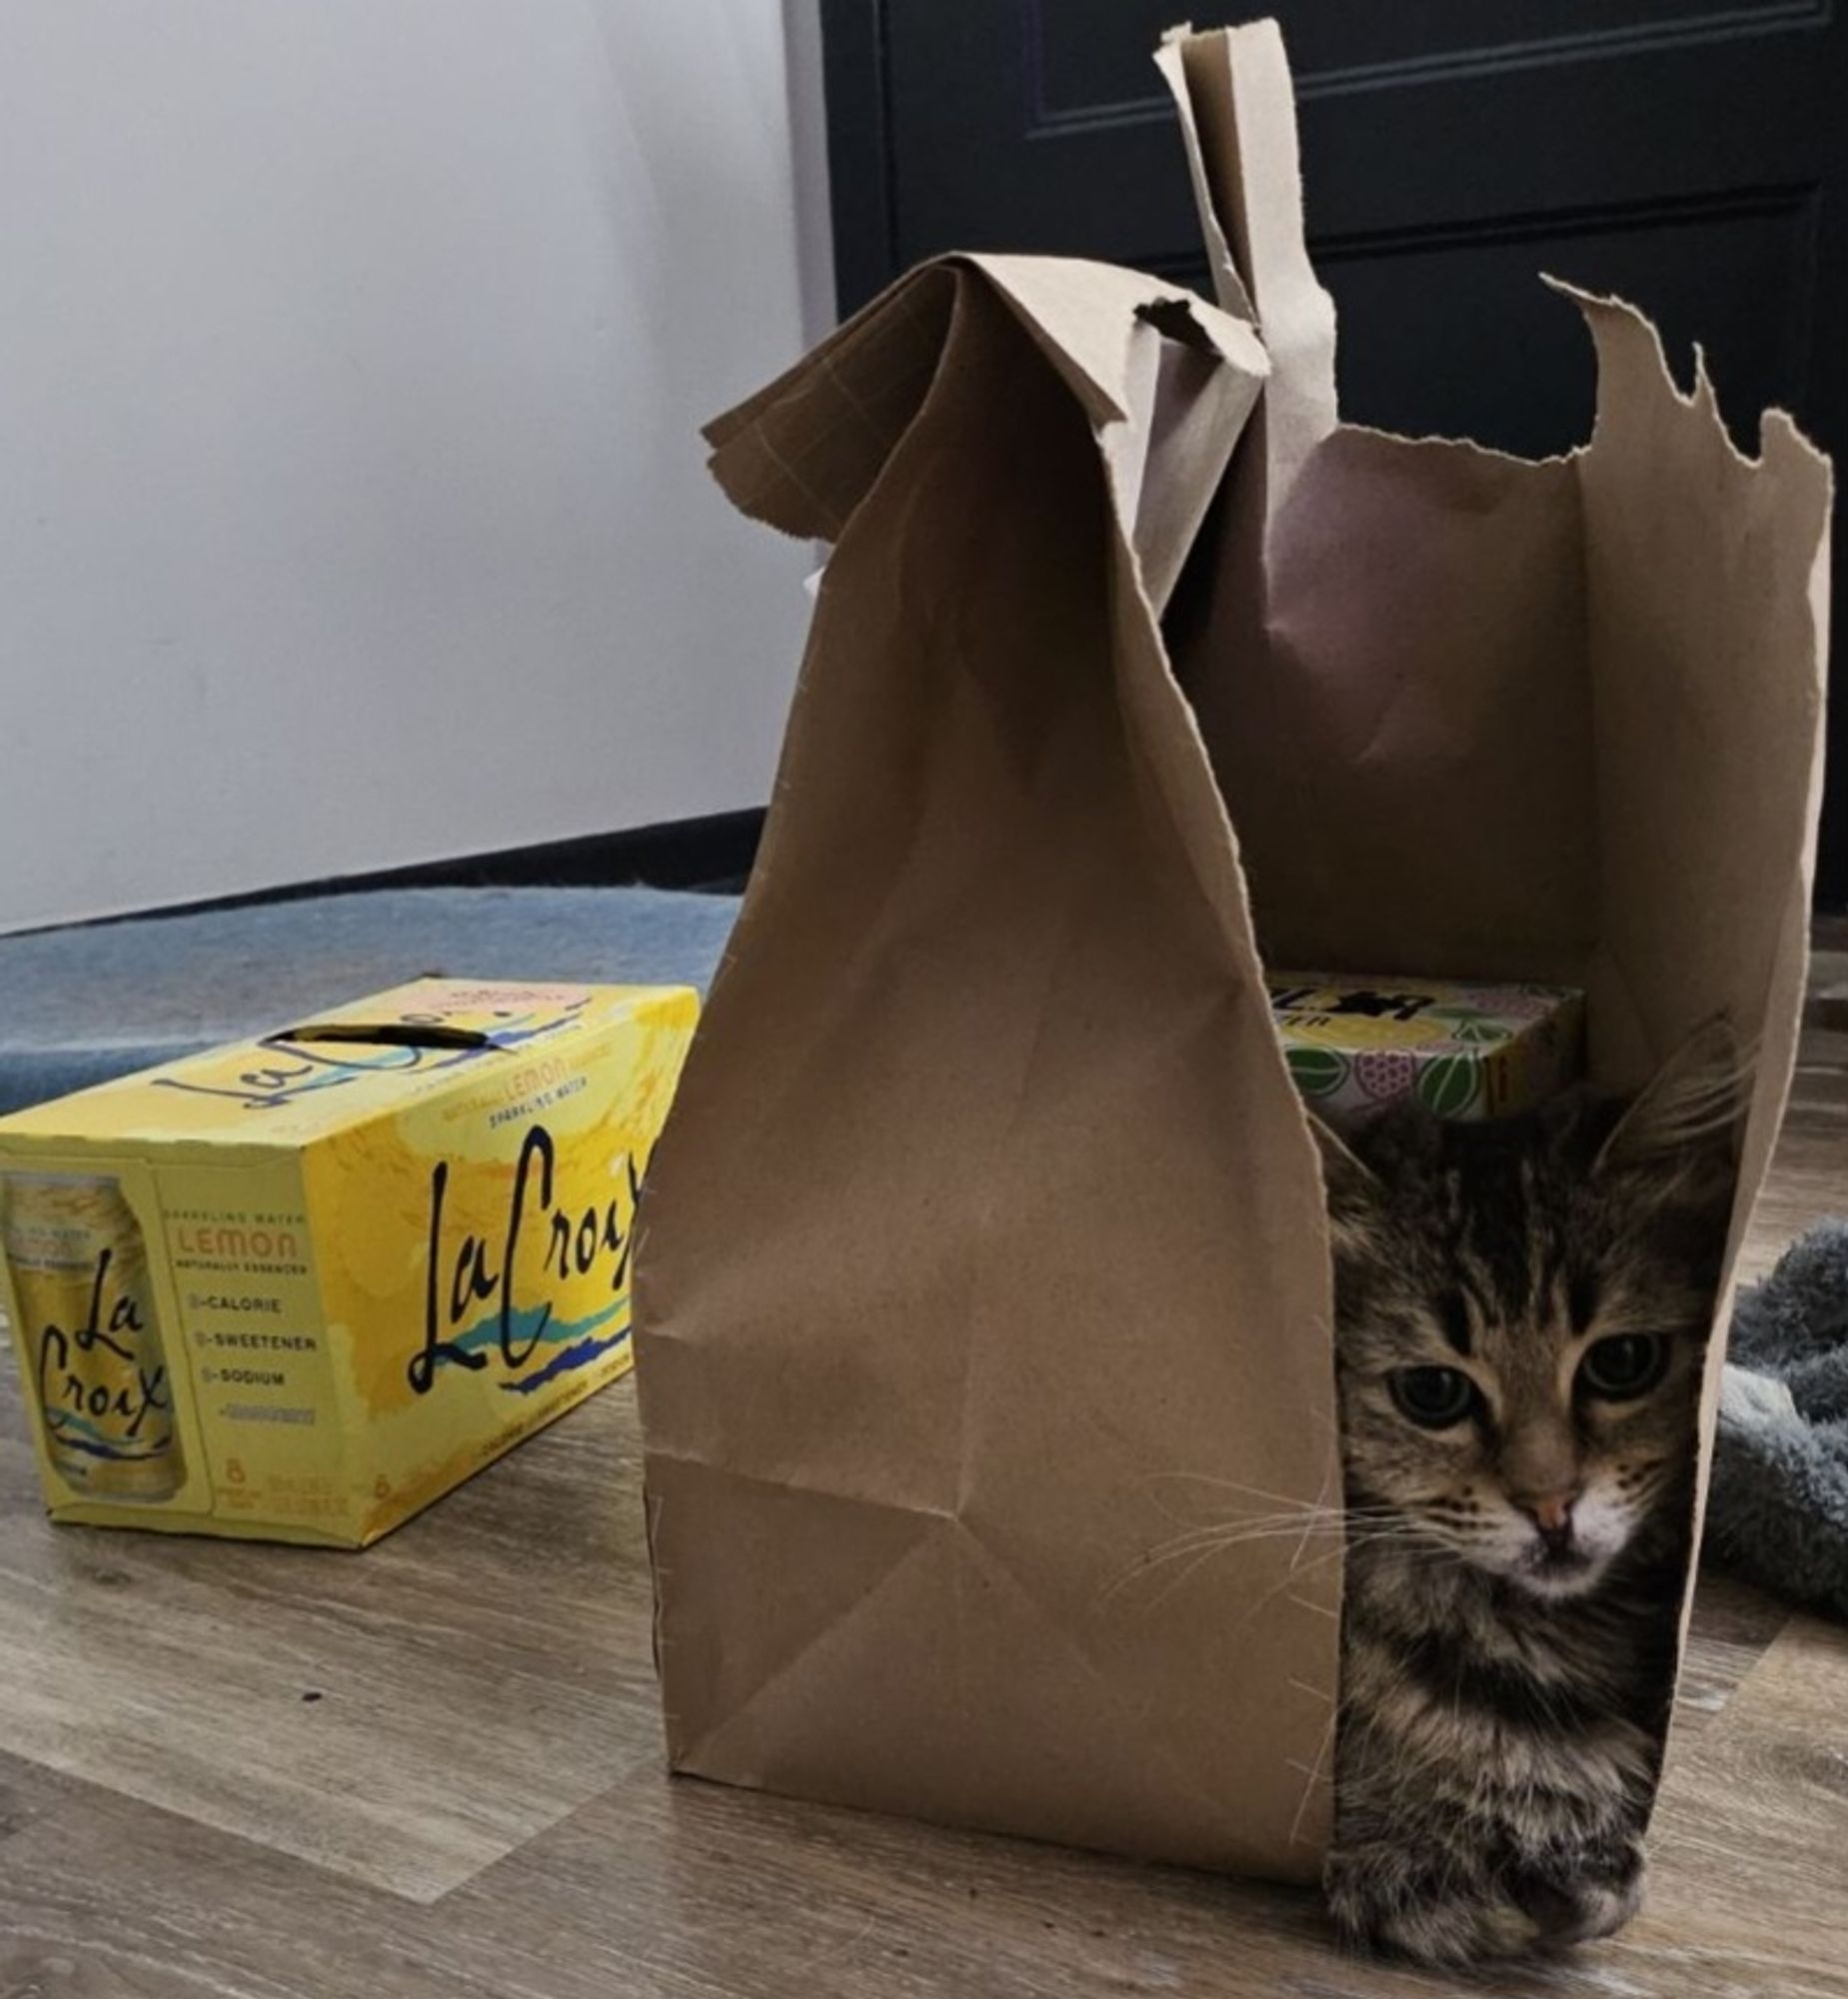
(1513, 1574)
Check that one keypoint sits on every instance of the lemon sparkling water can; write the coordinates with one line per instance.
(90, 1333)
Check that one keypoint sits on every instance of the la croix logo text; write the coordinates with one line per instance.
(61, 1379)
(301, 1070)
(576, 1244)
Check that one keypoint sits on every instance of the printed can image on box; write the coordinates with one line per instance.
(296, 1289)
(80, 1279)
(1355, 1045)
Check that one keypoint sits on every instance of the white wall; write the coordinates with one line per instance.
(351, 354)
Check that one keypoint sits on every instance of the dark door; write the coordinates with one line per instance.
(1690, 157)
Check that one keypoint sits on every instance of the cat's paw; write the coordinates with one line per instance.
(1381, 1901)
(1584, 1904)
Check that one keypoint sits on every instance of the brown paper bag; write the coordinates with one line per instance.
(984, 1262)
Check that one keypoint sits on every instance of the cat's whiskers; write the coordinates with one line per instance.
(1306, 1520)
(1288, 1505)
(1224, 1484)
(1294, 1574)
(1195, 1550)
(1206, 1541)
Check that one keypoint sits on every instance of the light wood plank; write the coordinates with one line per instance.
(1751, 1839)
(684, 1891)
(406, 1715)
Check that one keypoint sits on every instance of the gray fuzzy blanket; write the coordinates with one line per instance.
(1778, 1508)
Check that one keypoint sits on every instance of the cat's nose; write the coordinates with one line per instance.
(1552, 1513)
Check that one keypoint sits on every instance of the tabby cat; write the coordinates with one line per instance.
(1522, 1312)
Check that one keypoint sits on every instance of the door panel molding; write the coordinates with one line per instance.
(1044, 118)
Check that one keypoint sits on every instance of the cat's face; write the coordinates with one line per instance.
(1522, 1309)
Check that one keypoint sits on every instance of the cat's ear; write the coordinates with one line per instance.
(1341, 1165)
(1690, 1112)
(1352, 1185)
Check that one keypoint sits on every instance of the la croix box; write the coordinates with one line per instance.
(296, 1289)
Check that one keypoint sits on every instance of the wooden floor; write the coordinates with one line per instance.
(435, 1769)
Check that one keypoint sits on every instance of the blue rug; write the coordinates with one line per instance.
(83, 1004)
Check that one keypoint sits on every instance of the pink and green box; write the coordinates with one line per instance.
(1355, 1045)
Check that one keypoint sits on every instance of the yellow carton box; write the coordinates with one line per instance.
(295, 1289)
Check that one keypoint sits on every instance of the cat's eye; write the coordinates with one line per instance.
(1434, 1397)
(1624, 1366)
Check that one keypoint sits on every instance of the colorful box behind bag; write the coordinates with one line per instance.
(295, 1289)
(1356, 1044)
